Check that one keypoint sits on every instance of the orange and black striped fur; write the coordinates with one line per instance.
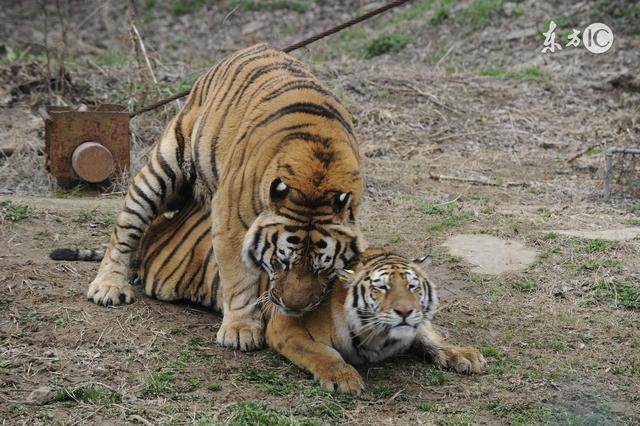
(383, 308)
(270, 153)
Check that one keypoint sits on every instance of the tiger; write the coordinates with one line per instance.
(380, 308)
(270, 153)
(383, 308)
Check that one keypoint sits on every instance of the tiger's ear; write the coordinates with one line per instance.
(346, 276)
(278, 190)
(423, 261)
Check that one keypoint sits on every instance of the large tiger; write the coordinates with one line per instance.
(269, 152)
(381, 309)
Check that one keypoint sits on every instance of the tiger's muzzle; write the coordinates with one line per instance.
(298, 291)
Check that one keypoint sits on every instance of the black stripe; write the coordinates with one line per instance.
(163, 185)
(146, 182)
(166, 169)
(180, 141)
(129, 210)
(299, 85)
(145, 197)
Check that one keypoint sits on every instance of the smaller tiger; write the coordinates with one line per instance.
(383, 309)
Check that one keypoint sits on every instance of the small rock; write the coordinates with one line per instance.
(40, 396)
(489, 254)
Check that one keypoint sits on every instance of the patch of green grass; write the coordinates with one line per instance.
(111, 58)
(481, 13)
(251, 413)
(5, 367)
(268, 382)
(591, 265)
(13, 212)
(383, 390)
(599, 246)
(622, 294)
(439, 209)
(214, 387)
(459, 420)
(436, 377)
(350, 36)
(416, 10)
(559, 345)
(518, 415)
(551, 235)
(389, 43)
(159, 384)
(499, 363)
(525, 286)
(192, 383)
(394, 239)
(426, 406)
(185, 7)
(560, 21)
(90, 394)
(264, 5)
(18, 55)
(319, 403)
(450, 222)
(533, 73)
(437, 54)
(95, 217)
(439, 16)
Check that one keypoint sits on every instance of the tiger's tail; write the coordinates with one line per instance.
(77, 254)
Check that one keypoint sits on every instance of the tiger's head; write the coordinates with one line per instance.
(388, 296)
(301, 242)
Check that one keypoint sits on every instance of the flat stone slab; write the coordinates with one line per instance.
(489, 254)
(621, 234)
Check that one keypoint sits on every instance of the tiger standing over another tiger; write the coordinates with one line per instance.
(270, 154)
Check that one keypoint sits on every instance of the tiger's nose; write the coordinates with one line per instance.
(403, 313)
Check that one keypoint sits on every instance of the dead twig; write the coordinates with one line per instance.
(62, 15)
(449, 50)
(478, 181)
(579, 154)
(142, 51)
(432, 98)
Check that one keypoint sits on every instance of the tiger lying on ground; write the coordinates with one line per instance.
(270, 152)
(382, 309)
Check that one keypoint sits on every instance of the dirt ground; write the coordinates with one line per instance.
(463, 93)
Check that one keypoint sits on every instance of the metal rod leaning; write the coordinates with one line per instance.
(287, 49)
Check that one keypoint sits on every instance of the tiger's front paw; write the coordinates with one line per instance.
(341, 378)
(110, 290)
(464, 360)
(243, 335)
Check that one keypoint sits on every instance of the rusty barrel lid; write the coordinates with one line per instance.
(93, 162)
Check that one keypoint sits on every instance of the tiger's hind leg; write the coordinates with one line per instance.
(176, 258)
(153, 188)
(465, 360)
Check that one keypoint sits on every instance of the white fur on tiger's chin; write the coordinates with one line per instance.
(403, 332)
